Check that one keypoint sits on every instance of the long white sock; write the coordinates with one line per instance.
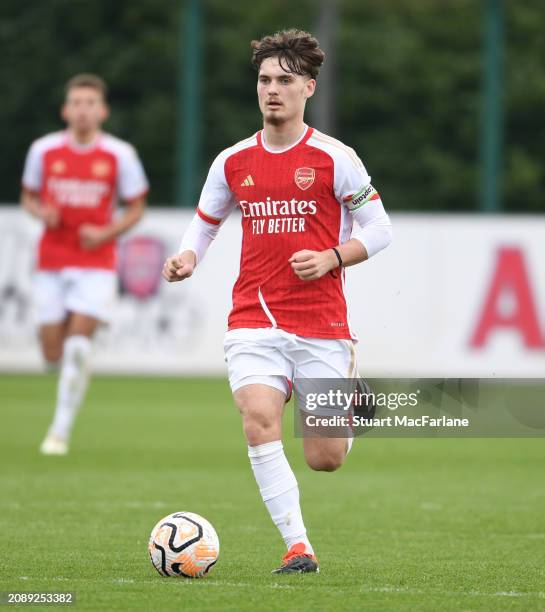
(279, 491)
(73, 381)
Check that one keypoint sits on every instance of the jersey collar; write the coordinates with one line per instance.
(301, 140)
(82, 148)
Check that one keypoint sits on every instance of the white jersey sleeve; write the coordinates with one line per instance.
(132, 182)
(215, 204)
(353, 190)
(33, 171)
(217, 200)
(362, 209)
(198, 236)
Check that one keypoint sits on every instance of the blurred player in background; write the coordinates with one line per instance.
(71, 183)
(299, 192)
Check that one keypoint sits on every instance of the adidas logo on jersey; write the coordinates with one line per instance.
(248, 181)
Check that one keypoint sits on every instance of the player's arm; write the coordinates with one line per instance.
(195, 242)
(31, 185)
(215, 204)
(371, 234)
(92, 236)
(30, 201)
(132, 187)
(372, 229)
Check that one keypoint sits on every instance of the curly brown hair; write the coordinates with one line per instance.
(297, 51)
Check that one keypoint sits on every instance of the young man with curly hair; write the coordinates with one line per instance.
(299, 193)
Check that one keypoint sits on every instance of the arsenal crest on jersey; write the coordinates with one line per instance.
(58, 166)
(101, 168)
(304, 177)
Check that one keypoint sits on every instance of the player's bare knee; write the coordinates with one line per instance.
(51, 341)
(52, 354)
(325, 461)
(324, 464)
(259, 427)
(260, 421)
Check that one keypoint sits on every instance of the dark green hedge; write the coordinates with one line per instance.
(408, 87)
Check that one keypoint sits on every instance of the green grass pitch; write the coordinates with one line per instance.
(406, 524)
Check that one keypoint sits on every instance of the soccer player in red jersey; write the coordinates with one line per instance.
(71, 182)
(299, 193)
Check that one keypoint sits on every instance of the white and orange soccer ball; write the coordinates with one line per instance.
(183, 544)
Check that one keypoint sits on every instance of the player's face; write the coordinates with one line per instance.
(282, 95)
(84, 109)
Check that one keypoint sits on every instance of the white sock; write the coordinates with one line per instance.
(279, 491)
(73, 381)
(349, 442)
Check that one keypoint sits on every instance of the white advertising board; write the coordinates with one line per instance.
(452, 296)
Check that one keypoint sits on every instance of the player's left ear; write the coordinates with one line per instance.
(105, 112)
(310, 87)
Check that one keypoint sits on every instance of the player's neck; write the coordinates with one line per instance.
(83, 138)
(278, 137)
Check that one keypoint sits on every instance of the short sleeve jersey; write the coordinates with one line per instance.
(299, 198)
(84, 183)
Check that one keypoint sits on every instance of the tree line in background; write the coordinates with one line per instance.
(408, 87)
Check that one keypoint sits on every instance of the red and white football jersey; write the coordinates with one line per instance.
(298, 198)
(84, 182)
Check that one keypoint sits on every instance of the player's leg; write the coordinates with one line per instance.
(88, 299)
(73, 378)
(261, 407)
(326, 454)
(260, 399)
(52, 316)
(49, 290)
(82, 325)
(52, 337)
(323, 366)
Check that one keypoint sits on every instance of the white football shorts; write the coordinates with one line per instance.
(273, 357)
(86, 291)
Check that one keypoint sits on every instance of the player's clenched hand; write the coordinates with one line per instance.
(92, 236)
(179, 267)
(50, 215)
(311, 265)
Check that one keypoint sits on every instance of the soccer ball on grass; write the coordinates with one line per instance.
(183, 544)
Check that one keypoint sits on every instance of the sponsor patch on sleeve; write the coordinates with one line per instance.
(361, 197)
